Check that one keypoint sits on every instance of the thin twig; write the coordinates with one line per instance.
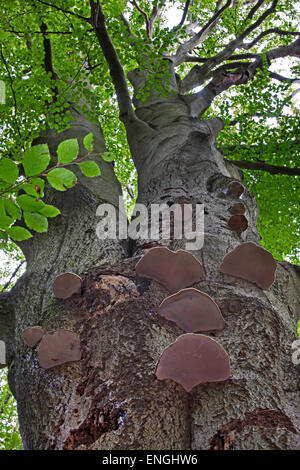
(12, 276)
(261, 166)
(130, 192)
(185, 12)
(40, 32)
(200, 36)
(139, 9)
(12, 89)
(63, 10)
(281, 78)
(280, 32)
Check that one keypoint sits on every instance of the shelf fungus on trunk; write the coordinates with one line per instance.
(2, 354)
(238, 223)
(194, 359)
(174, 270)
(251, 262)
(67, 284)
(235, 188)
(238, 208)
(58, 347)
(192, 310)
(33, 335)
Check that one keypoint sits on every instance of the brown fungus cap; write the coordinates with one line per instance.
(236, 188)
(238, 208)
(251, 262)
(194, 359)
(66, 285)
(33, 335)
(193, 311)
(58, 347)
(238, 223)
(174, 270)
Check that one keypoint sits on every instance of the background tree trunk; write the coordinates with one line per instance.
(111, 399)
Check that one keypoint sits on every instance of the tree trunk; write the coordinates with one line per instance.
(111, 399)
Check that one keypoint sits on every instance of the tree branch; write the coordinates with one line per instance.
(262, 166)
(48, 64)
(116, 70)
(130, 192)
(195, 77)
(254, 10)
(40, 32)
(199, 37)
(260, 20)
(223, 79)
(154, 14)
(128, 29)
(184, 15)
(63, 10)
(200, 102)
(12, 276)
(266, 33)
(12, 89)
(233, 57)
(281, 78)
(147, 20)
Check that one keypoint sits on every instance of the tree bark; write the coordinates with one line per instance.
(111, 399)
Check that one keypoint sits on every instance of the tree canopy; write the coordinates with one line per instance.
(228, 58)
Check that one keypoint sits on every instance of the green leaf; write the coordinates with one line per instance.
(89, 169)
(49, 211)
(88, 142)
(36, 222)
(19, 233)
(9, 171)
(12, 209)
(298, 328)
(3, 235)
(107, 156)
(61, 179)
(35, 187)
(5, 222)
(30, 204)
(2, 207)
(67, 151)
(36, 159)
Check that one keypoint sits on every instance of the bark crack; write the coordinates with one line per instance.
(100, 420)
(225, 437)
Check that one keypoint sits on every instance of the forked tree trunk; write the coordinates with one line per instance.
(111, 399)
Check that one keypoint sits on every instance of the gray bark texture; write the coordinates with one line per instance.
(111, 399)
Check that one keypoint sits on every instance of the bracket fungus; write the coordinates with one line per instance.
(251, 262)
(192, 310)
(236, 188)
(2, 354)
(238, 223)
(174, 270)
(58, 347)
(238, 208)
(33, 335)
(194, 359)
(67, 284)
